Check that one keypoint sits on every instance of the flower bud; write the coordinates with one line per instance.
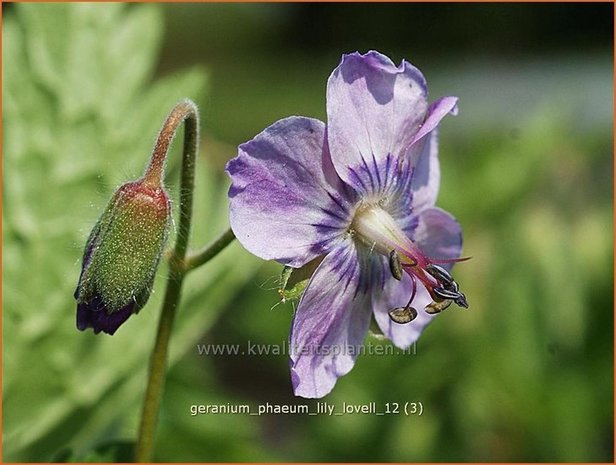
(121, 256)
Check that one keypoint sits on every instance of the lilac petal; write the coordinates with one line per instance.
(330, 324)
(438, 235)
(415, 187)
(398, 200)
(436, 112)
(426, 172)
(286, 201)
(396, 294)
(424, 155)
(374, 110)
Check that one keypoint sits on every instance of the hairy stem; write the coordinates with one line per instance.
(158, 364)
(209, 251)
(183, 111)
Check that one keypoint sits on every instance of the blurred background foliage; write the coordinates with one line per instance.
(527, 167)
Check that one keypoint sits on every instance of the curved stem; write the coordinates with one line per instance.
(183, 111)
(209, 251)
(187, 181)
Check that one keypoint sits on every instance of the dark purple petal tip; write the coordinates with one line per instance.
(95, 315)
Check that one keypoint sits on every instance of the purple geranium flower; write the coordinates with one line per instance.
(357, 193)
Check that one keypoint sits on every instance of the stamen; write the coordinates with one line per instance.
(394, 265)
(449, 290)
(439, 273)
(437, 307)
(445, 294)
(406, 314)
(403, 315)
(461, 300)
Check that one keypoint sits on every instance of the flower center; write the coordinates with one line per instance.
(379, 231)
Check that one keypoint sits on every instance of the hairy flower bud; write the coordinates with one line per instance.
(121, 256)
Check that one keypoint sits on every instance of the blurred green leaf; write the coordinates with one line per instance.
(109, 452)
(80, 115)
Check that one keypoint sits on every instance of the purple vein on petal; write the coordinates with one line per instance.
(358, 178)
(376, 171)
(369, 173)
(332, 214)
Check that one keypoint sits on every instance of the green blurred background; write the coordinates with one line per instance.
(526, 374)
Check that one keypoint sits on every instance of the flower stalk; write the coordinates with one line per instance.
(184, 112)
(209, 251)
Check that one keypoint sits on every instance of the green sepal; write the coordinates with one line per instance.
(125, 247)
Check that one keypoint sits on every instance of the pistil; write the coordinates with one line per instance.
(378, 230)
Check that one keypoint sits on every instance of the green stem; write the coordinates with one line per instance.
(187, 182)
(158, 364)
(209, 251)
(186, 112)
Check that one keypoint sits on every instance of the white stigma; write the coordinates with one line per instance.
(378, 230)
